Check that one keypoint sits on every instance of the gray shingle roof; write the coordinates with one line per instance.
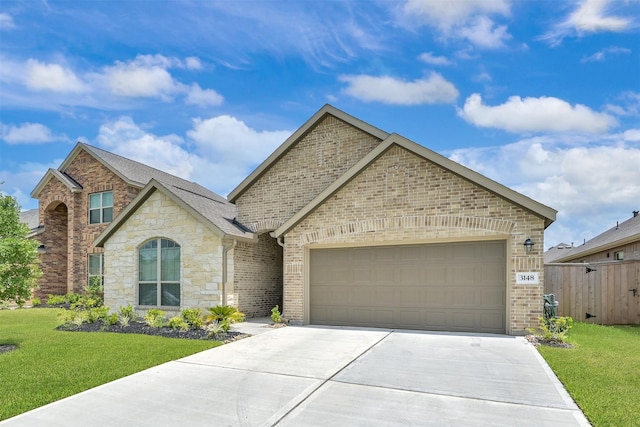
(623, 233)
(139, 174)
(556, 252)
(31, 218)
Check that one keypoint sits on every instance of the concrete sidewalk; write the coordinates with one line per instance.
(319, 376)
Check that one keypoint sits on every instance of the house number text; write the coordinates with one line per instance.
(529, 278)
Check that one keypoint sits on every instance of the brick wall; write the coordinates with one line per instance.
(404, 198)
(201, 253)
(93, 177)
(258, 284)
(317, 160)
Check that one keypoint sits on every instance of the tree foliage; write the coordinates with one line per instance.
(19, 271)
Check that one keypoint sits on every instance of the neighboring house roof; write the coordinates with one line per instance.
(218, 215)
(133, 173)
(545, 212)
(31, 218)
(297, 136)
(556, 252)
(621, 234)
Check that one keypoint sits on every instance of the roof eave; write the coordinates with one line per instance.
(51, 173)
(300, 133)
(605, 247)
(146, 192)
(545, 212)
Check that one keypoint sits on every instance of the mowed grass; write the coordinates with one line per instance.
(602, 373)
(50, 365)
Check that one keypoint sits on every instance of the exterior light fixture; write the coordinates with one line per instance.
(528, 244)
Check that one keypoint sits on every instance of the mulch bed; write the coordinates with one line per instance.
(5, 348)
(135, 327)
(549, 343)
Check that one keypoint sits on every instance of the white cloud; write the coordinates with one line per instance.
(6, 22)
(590, 16)
(225, 138)
(203, 98)
(590, 184)
(145, 76)
(193, 63)
(28, 133)
(20, 182)
(605, 54)
(461, 19)
(125, 137)
(544, 114)
(432, 59)
(482, 33)
(433, 89)
(52, 77)
(222, 150)
(630, 105)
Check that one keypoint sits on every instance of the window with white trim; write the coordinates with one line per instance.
(101, 207)
(159, 273)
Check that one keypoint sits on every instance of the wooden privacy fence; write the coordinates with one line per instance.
(610, 291)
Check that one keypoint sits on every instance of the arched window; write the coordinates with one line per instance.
(159, 273)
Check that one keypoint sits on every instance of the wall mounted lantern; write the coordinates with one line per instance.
(528, 244)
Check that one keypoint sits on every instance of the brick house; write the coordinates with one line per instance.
(376, 230)
(344, 224)
(78, 201)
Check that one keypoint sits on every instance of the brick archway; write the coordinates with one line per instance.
(54, 263)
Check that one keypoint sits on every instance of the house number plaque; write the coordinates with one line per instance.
(528, 278)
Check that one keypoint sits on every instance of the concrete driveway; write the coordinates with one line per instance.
(322, 376)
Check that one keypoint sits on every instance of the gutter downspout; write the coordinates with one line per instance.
(225, 251)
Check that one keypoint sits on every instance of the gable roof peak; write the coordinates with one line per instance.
(300, 133)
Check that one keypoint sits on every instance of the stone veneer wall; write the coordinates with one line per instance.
(403, 198)
(93, 177)
(200, 256)
(317, 160)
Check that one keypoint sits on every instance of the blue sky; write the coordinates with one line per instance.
(542, 96)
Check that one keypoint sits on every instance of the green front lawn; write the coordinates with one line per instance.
(602, 373)
(50, 365)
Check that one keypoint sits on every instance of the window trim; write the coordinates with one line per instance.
(101, 208)
(158, 281)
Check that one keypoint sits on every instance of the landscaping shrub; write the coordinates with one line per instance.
(554, 329)
(194, 317)
(178, 323)
(155, 318)
(56, 299)
(275, 315)
(36, 302)
(126, 315)
(111, 319)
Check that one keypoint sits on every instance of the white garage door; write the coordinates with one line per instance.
(439, 287)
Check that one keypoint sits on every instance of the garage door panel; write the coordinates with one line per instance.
(455, 287)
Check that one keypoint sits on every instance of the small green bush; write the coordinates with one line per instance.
(72, 317)
(4, 305)
(36, 302)
(275, 315)
(223, 313)
(72, 297)
(155, 318)
(126, 315)
(554, 329)
(214, 328)
(111, 319)
(56, 299)
(97, 313)
(95, 288)
(194, 317)
(178, 323)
